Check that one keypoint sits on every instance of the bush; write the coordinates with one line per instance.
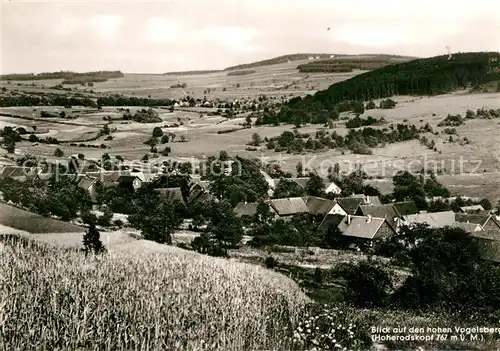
(271, 262)
(157, 132)
(58, 153)
(330, 328)
(367, 283)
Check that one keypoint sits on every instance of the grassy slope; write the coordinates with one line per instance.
(139, 299)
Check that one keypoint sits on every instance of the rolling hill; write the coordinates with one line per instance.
(428, 76)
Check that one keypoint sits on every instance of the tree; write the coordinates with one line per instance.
(223, 156)
(370, 105)
(446, 269)
(224, 229)
(300, 169)
(358, 108)
(256, 139)
(288, 188)
(157, 132)
(62, 114)
(164, 139)
(367, 283)
(486, 204)
(248, 121)
(92, 241)
(33, 138)
(156, 218)
(58, 153)
(315, 185)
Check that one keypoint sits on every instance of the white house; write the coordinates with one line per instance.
(332, 188)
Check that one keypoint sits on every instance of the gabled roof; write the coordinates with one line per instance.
(405, 208)
(86, 182)
(332, 187)
(107, 177)
(246, 209)
(16, 171)
(474, 218)
(360, 226)
(289, 206)
(302, 181)
(487, 234)
(380, 211)
(171, 193)
(350, 204)
(468, 227)
(318, 205)
(433, 219)
(331, 221)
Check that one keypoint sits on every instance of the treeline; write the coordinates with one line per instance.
(91, 76)
(336, 65)
(241, 72)
(41, 99)
(428, 76)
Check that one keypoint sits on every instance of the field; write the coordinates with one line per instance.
(275, 80)
(70, 302)
(472, 169)
(30, 222)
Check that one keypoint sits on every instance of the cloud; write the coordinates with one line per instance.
(161, 30)
(106, 26)
(233, 38)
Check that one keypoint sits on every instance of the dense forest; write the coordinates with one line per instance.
(66, 75)
(339, 65)
(429, 76)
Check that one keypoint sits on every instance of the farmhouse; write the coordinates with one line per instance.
(390, 211)
(365, 228)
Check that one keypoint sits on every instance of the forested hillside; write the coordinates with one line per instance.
(429, 76)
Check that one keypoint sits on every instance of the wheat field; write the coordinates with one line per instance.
(140, 300)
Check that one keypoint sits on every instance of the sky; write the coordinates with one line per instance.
(174, 35)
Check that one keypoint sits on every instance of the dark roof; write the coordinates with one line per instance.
(473, 218)
(350, 204)
(318, 205)
(289, 206)
(16, 171)
(171, 193)
(361, 226)
(487, 234)
(246, 209)
(405, 208)
(331, 221)
(86, 182)
(107, 177)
